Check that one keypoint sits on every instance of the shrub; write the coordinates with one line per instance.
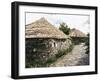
(38, 63)
(59, 54)
(78, 40)
(87, 44)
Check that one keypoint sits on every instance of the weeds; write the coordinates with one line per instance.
(38, 63)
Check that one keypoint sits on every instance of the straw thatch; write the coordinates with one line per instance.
(43, 29)
(76, 33)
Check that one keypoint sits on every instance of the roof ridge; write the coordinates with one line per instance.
(42, 28)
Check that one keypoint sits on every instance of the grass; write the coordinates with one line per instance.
(78, 40)
(59, 55)
(38, 63)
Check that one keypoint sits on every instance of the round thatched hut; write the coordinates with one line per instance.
(77, 36)
(43, 41)
(76, 33)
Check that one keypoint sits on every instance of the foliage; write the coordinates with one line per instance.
(78, 40)
(63, 27)
(87, 44)
(38, 63)
(61, 53)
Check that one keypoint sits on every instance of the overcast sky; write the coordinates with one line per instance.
(80, 22)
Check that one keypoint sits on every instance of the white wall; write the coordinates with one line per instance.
(5, 40)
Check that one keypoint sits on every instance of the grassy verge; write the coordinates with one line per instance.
(38, 63)
(59, 55)
(78, 40)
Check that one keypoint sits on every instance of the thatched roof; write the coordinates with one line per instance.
(43, 29)
(76, 33)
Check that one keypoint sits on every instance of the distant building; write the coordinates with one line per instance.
(76, 33)
(43, 40)
(77, 36)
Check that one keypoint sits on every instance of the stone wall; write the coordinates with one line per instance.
(43, 49)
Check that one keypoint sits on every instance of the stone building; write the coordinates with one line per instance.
(76, 33)
(43, 41)
(77, 36)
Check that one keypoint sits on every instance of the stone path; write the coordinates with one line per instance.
(74, 58)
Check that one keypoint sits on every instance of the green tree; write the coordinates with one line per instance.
(87, 43)
(64, 27)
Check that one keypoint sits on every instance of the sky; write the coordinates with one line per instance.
(80, 22)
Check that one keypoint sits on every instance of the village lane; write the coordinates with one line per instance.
(76, 57)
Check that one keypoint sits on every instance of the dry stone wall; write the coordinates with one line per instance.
(43, 49)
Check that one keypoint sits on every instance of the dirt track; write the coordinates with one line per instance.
(74, 58)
